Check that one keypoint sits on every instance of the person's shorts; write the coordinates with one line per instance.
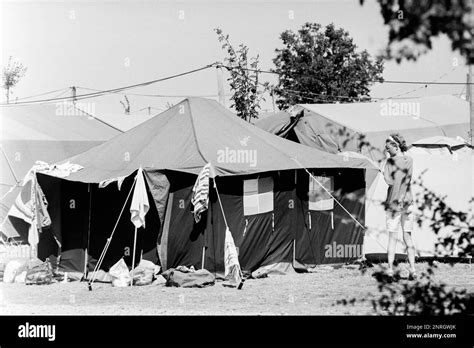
(400, 221)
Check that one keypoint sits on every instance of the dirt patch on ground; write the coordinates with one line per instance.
(295, 294)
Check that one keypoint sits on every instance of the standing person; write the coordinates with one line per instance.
(398, 173)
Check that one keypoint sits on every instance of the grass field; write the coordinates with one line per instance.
(296, 294)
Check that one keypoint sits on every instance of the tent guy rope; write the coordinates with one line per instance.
(101, 258)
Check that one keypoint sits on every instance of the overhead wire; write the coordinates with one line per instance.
(306, 94)
(374, 81)
(114, 90)
(63, 90)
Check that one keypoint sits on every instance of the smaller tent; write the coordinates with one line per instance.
(442, 165)
(335, 127)
(49, 133)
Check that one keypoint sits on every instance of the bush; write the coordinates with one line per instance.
(423, 296)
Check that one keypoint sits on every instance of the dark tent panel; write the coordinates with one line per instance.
(185, 238)
(72, 216)
(317, 241)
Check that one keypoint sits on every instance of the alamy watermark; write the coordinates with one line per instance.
(336, 250)
(37, 331)
(75, 109)
(242, 155)
(398, 108)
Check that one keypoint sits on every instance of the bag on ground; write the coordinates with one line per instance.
(143, 273)
(120, 274)
(14, 268)
(40, 274)
(197, 279)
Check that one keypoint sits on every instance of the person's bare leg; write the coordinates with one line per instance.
(410, 250)
(391, 248)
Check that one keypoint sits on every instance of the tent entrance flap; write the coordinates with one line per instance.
(84, 226)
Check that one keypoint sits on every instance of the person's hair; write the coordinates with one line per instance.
(398, 140)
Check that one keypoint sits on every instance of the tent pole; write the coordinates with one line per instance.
(88, 231)
(133, 258)
(203, 253)
(294, 251)
(102, 255)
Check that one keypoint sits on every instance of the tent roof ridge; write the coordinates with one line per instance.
(98, 119)
(194, 129)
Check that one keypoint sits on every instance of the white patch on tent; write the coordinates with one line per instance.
(291, 204)
(291, 14)
(126, 251)
(258, 195)
(72, 204)
(181, 203)
(126, 156)
(17, 156)
(318, 198)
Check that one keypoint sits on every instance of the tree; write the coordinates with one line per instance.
(12, 74)
(413, 23)
(318, 64)
(244, 83)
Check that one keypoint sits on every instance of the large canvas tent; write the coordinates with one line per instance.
(49, 133)
(261, 182)
(339, 127)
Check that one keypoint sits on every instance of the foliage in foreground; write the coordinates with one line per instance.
(423, 296)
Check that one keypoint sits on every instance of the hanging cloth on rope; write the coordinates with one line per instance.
(200, 200)
(200, 197)
(140, 204)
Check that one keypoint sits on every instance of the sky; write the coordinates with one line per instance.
(108, 44)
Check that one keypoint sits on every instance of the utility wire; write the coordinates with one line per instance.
(42, 94)
(374, 81)
(156, 95)
(96, 94)
(322, 97)
(418, 88)
(325, 97)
